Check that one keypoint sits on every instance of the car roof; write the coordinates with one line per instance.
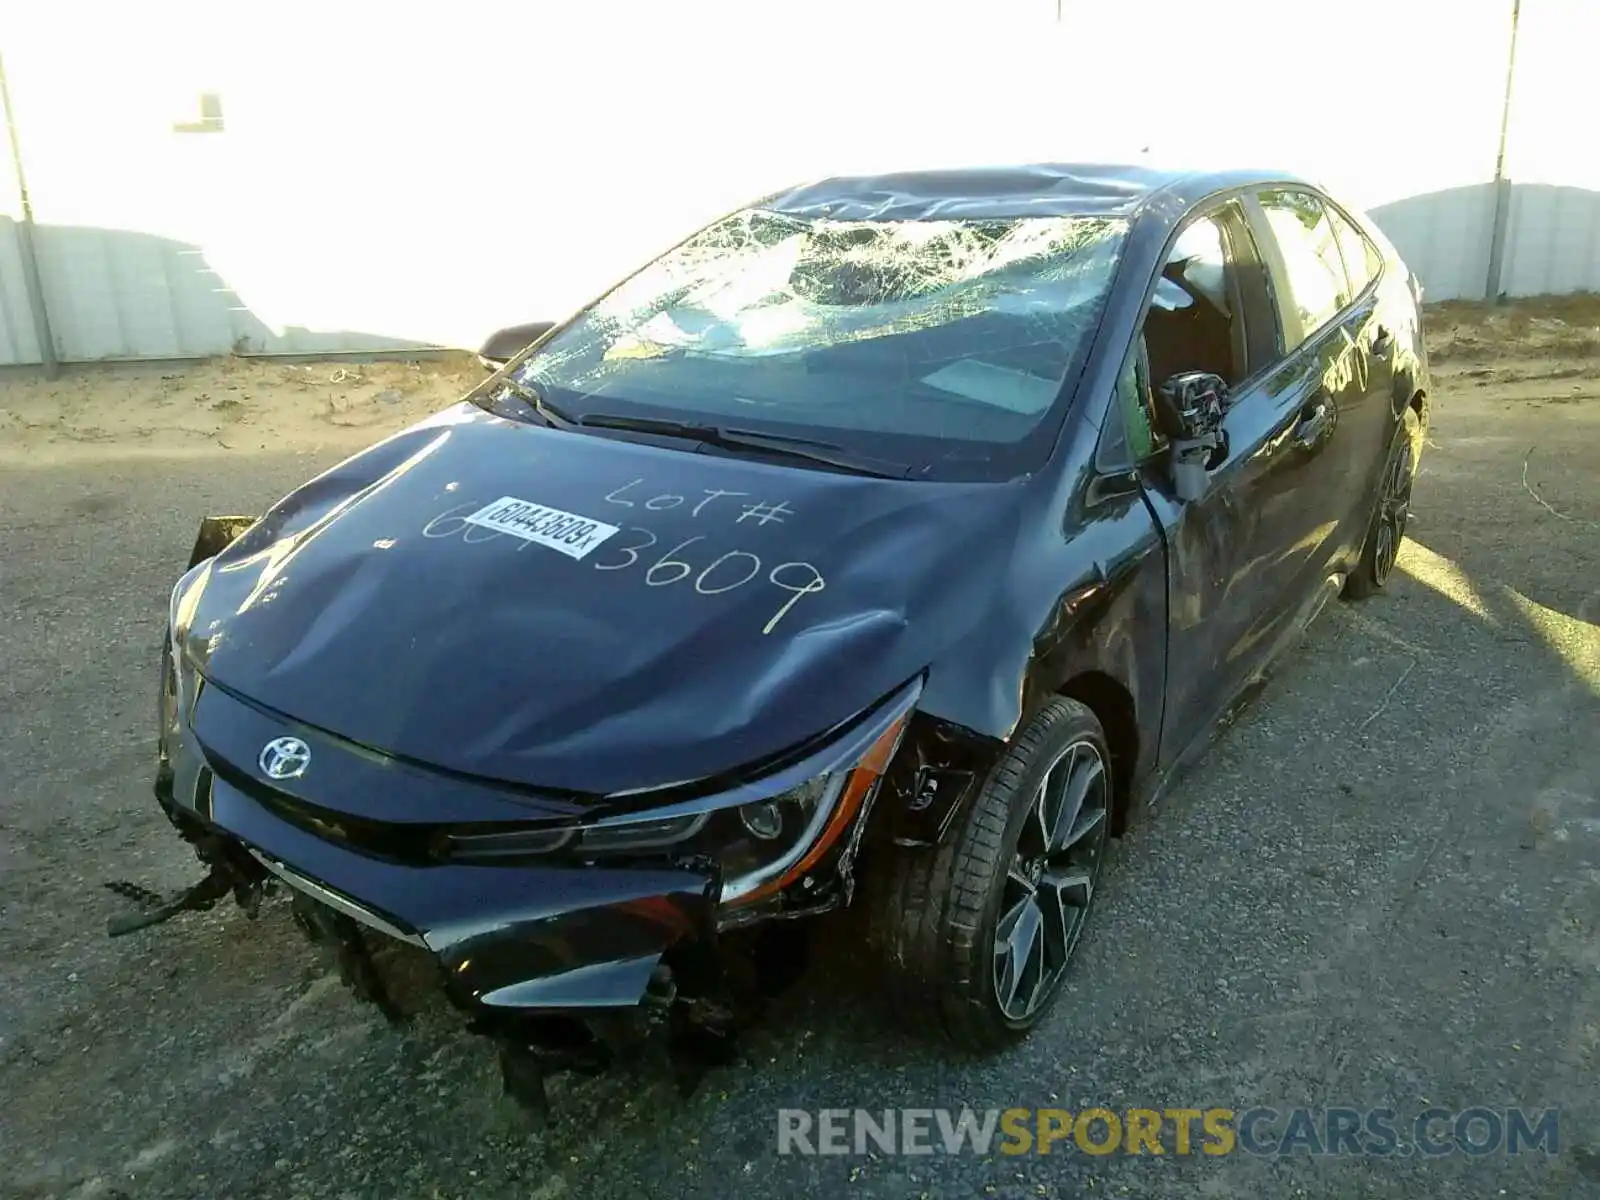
(1002, 192)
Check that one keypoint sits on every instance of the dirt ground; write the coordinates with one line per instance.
(1381, 888)
(233, 405)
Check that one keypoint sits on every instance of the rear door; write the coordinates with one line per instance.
(1328, 377)
(1367, 326)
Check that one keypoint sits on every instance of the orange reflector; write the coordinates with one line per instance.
(862, 777)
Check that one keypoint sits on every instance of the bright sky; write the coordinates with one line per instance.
(518, 157)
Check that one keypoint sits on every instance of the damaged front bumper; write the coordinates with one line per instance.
(565, 969)
(549, 917)
(443, 862)
(521, 937)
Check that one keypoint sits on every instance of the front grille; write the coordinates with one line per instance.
(413, 844)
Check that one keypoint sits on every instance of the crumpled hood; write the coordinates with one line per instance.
(629, 617)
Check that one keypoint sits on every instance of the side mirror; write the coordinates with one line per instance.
(503, 345)
(1189, 408)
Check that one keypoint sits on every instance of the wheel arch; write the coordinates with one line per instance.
(1113, 705)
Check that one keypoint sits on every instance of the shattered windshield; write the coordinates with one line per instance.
(926, 340)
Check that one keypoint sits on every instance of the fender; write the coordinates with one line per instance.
(1100, 637)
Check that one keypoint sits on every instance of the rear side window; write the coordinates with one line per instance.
(1362, 262)
(1316, 285)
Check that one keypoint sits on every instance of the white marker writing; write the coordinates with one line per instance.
(762, 512)
(435, 528)
(713, 494)
(755, 567)
(814, 584)
(631, 551)
(612, 496)
(666, 560)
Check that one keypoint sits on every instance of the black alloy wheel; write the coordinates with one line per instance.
(976, 934)
(1390, 513)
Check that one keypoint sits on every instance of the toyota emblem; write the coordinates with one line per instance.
(284, 758)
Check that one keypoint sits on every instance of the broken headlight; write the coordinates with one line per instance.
(761, 846)
(756, 844)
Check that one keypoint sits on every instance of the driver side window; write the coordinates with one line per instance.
(1191, 324)
(1212, 308)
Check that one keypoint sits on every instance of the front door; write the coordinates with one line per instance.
(1229, 552)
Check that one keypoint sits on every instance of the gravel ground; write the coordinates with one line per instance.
(1381, 888)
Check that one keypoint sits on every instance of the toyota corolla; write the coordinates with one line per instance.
(892, 541)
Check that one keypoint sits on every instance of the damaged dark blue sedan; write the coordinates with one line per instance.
(890, 541)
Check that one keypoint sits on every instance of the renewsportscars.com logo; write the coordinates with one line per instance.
(1263, 1132)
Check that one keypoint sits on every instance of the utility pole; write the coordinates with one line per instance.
(1502, 185)
(30, 262)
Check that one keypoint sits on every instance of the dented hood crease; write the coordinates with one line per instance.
(721, 611)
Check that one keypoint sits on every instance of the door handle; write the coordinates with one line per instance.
(1382, 342)
(1313, 425)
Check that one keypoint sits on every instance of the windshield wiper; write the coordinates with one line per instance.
(782, 445)
(535, 400)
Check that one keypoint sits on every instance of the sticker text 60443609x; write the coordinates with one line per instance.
(565, 532)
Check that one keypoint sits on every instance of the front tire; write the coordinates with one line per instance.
(977, 933)
(1387, 528)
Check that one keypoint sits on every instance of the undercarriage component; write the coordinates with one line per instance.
(522, 1073)
(219, 882)
(688, 1039)
(325, 926)
(535, 1049)
(691, 1021)
(701, 1037)
(230, 870)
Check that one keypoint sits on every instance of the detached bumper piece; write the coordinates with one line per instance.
(157, 908)
(231, 872)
